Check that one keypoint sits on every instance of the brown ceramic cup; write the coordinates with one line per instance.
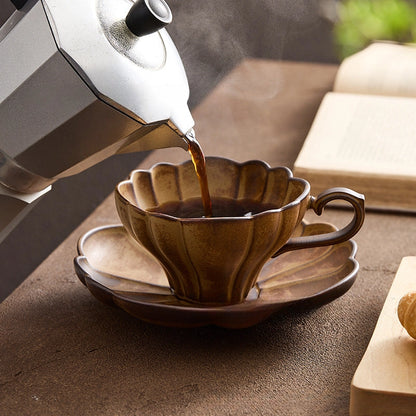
(216, 261)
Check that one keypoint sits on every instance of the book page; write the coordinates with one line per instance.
(382, 69)
(362, 134)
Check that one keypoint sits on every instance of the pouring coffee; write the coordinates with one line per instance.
(103, 78)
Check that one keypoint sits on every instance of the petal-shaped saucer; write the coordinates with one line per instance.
(118, 271)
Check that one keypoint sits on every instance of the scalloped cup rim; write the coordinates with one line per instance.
(285, 207)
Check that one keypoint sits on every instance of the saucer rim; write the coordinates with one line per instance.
(338, 289)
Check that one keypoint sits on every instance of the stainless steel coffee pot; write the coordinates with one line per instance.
(81, 80)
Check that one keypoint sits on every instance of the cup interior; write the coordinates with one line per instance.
(254, 180)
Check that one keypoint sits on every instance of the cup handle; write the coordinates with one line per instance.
(335, 237)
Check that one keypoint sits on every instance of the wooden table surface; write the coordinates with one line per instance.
(62, 352)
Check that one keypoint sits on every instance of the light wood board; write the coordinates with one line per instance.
(385, 380)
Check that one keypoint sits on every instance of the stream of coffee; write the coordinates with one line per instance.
(198, 159)
(205, 206)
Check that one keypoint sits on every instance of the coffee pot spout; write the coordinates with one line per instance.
(158, 136)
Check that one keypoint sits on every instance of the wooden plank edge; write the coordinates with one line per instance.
(391, 338)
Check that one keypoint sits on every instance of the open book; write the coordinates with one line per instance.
(364, 134)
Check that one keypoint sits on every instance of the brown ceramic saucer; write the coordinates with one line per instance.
(118, 271)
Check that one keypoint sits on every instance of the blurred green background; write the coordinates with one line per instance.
(359, 22)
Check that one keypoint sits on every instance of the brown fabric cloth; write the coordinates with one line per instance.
(63, 352)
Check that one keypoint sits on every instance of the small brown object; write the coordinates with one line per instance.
(407, 313)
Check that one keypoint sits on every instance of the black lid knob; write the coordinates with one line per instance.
(148, 16)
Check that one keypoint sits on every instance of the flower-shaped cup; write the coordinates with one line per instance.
(216, 260)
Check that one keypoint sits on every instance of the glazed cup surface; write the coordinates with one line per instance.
(214, 261)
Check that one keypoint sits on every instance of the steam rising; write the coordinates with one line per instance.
(213, 36)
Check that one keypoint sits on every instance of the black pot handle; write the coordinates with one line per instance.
(19, 3)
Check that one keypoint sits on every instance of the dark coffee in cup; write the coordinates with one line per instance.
(221, 207)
